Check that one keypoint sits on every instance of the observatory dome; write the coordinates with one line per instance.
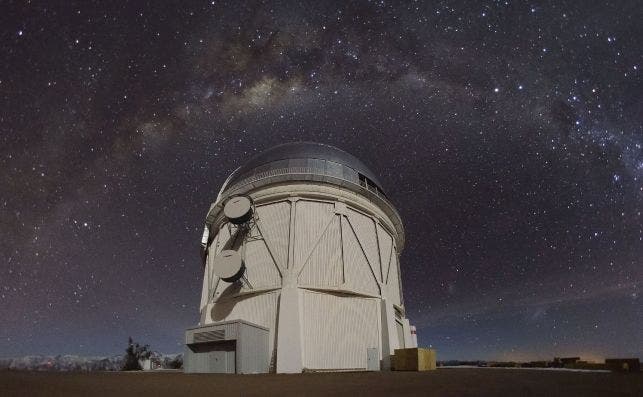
(307, 162)
(304, 161)
(301, 271)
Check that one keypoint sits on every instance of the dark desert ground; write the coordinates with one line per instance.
(443, 382)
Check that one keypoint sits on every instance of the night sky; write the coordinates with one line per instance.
(508, 134)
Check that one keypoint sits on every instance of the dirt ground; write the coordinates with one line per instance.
(443, 382)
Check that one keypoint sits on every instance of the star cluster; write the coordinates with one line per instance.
(508, 133)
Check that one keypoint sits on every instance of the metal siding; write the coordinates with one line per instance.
(394, 281)
(210, 358)
(209, 336)
(365, 228)
(334, 169)
(252, 350)
(222, 288)
(324, 266)
(338, 330)
(210, 279)
(187, 359)
(274, 223)
(261, 270)
(310, 221)
(308, 239)
(212, 252)
(312, 157)
(218, 286)
(372, 359)
(205, 289)
(221, 241)
(230, 330)
(227, 348)
(386, 246)
(231, 361)
(359, 275)
(218, 361)
(400, 333)
(195, 362)
(260, 309)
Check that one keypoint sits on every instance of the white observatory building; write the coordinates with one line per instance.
(301, 268)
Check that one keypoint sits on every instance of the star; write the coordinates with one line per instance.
(513, 205)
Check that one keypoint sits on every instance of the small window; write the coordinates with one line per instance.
(368, 184)
(363, 181)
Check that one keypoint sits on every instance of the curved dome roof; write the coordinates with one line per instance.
(307, 162)
(301, 151)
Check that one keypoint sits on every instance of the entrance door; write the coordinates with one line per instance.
(216, 361)
(222, 357)
(213, 357)
(372, 359)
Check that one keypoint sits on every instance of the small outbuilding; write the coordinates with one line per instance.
(623, 364)
(227, 347)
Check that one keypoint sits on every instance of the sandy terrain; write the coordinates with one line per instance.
(443, 382)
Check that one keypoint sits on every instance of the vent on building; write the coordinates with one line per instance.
(209, 336)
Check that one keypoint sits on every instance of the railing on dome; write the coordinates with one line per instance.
(313, 170)
(307, 167)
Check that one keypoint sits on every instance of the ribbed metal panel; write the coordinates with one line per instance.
(274, 222)
(252, 350)
(365, 228)
(209, 336)
(386, 247)
(210, 279)
(226, 331)
(394, 280)
(261, 270)
(399, 328)
(358, 273)
(311, 219)
(303, 171)
(217, 287)
(228, 347)
(222, 239)
(324, 266)
(338, 330)
(301, 154)
(260, 309)
(214, 250)
(205, 290)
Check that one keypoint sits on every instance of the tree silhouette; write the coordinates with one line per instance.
(133, 354)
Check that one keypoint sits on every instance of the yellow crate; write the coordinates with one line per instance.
(415, 359)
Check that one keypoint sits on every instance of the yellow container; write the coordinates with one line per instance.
(415, 359)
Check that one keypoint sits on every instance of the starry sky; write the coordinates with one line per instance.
(508, 134)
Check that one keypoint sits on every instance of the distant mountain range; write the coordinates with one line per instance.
(81, 363)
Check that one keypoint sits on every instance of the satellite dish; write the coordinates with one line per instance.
(238, 210)
(229, 266)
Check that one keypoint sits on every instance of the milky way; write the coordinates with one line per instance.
(508, 134)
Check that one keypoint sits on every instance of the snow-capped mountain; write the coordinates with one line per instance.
(81, 363)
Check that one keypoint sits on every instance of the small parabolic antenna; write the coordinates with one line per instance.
(238, 210)
(229, 266)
